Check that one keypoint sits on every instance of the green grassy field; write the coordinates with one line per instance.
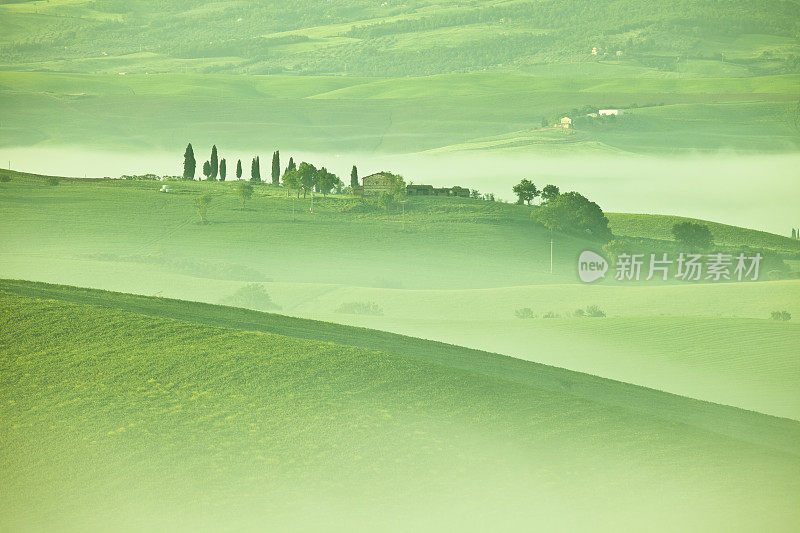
(426, 280)
(356, 76)
(325, 364)
(443, 113)
(370, 429)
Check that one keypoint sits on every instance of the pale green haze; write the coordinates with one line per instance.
(195, 355)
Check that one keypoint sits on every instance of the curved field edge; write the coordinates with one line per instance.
(748, 426)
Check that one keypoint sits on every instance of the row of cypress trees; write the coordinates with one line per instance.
(216, 168)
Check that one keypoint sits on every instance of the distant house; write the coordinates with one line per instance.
(609, 112)
(430, 190)
(374, 185)
(165, 188)
(565, 123)
(419, 190)
(594, 51)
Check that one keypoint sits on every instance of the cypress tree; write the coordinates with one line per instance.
(214, 162)
(222, 169)
(291, 165)
(276, 167)
(239, 169)
(354, 177)
(207, 170)
(189, 163)
(255, 170)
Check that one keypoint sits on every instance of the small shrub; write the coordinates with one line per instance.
(595, 312)
(360, 308)
(53, 182)
(694, 236)
(550, 314)
(5, 178)
(591, 311)
(524, 313)
(783, 316)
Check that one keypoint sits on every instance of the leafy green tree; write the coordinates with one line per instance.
(276, 167)
(255, 170)
(327, 181)
(214, 163)
(308, 177)
(244, 190)
(573, 213)
(354, 177)
(239, 169)
(291, 180)
(692, 235)
(526, 191)
(207, 170)
(223, 171)
(201, 203)
(544, 122)
(549, 193)
(189, 163)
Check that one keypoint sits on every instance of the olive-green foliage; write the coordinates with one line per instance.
(696, 237)
(781, 315)
(573, 213)
(201, 203)
(244, 190)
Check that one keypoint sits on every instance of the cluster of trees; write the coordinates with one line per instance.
(526, 192)
(305, 178)
(570, 212)
(216, 169)
(573, 213)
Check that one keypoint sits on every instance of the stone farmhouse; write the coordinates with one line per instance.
(374, 185)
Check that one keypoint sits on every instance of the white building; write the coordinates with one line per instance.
(609, 112)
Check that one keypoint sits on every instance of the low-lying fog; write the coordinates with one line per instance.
(756, 191)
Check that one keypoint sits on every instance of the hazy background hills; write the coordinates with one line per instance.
(386, 77)
(369, 38)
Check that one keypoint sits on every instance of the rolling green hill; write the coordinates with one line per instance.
(425, 280)
(352, 75)
(660, 227)
(200, 417)
(414, 38)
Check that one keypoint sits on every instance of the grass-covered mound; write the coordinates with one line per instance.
(659, 227)
(114, 419)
